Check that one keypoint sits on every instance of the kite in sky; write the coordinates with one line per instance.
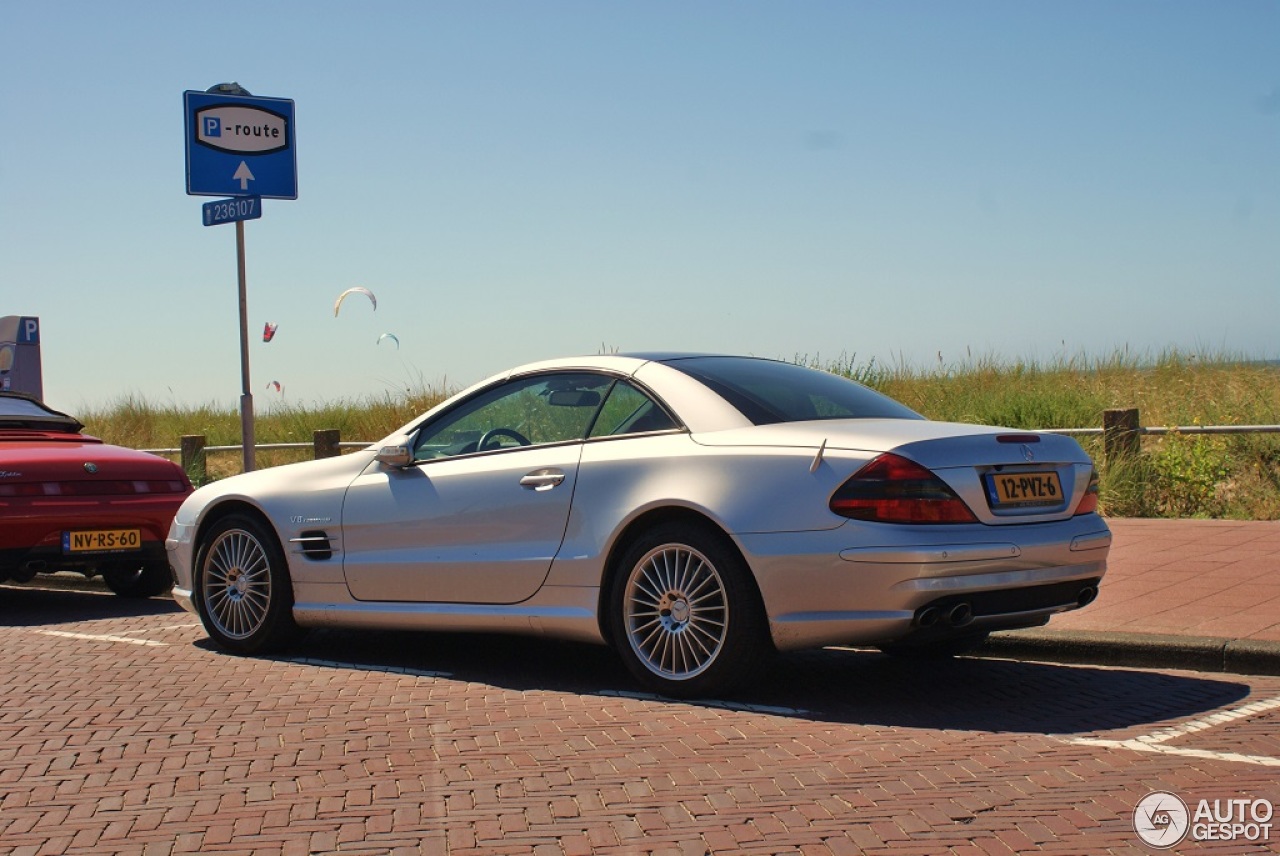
(359, 289)
(278, 387)
(269, 331)
(392, 336)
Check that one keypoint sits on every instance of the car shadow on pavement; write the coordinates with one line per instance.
(34, 604)
(833, 685)
(979, 694)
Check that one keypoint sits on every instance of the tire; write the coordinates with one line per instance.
(138, 580)
(242, 589)
(685, 613)
(943, 649)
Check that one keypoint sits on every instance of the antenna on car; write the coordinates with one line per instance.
(817, 459)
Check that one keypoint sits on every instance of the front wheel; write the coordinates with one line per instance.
(242, 587)
(687, 618)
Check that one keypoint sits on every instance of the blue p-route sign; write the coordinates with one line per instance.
(240, 145)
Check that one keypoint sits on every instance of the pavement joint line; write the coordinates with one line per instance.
(102, 637)
(721, 704)
(1141, 650)
(364, 667)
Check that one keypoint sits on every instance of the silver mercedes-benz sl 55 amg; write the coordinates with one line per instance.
(695, 512)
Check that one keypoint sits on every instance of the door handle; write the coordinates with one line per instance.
(542, 479)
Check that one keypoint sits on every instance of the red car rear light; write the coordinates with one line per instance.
(1089, 502)
(892, 489)
(93, 488)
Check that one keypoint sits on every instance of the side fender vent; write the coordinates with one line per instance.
(314, 544)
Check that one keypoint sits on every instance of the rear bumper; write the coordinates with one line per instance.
(31, 534)
(875, 584)
(22, 564)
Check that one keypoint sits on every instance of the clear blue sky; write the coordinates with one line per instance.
(521, 180)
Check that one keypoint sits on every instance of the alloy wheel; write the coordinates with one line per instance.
(237, 583)
(676, 611)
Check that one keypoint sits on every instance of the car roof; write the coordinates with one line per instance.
(627, 362)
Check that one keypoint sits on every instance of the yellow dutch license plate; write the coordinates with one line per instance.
(1024, 490)
(101, 540)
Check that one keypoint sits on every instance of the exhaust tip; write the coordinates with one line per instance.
(960, 615)
(928, 616)
(1086, 596)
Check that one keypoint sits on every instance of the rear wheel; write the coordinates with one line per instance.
(242, 587)
(687, 619)
(144, 580)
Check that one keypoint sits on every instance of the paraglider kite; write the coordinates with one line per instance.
(392, 336)
(359, 289)
(276, 384)
(269, 331)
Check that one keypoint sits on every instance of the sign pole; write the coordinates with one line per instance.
(240, 146)
(246, 396)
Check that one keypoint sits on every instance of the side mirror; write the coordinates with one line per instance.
(395, 456)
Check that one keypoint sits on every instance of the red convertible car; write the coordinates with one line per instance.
(69, 502)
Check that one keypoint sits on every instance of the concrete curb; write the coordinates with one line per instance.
(1198, 653)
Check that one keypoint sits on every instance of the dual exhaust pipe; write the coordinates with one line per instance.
(961, 614)
(955, 616)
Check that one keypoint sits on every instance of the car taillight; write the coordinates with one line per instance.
(892, 489)
(1089, 502)
(89, 487)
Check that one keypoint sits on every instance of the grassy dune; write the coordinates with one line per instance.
(1235, 476)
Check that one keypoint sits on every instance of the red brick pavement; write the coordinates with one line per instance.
(117, 748)
(404, 743)
(1216, 578)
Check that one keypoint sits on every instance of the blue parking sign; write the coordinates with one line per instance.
(240, 145)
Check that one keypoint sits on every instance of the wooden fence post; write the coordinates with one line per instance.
(326, 443)
(193, 458)
(1121, 434)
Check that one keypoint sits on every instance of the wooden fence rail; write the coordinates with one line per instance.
(1121, 430)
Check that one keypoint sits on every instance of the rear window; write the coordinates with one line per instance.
(767, 391)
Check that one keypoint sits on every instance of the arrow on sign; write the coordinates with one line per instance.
(243, 175)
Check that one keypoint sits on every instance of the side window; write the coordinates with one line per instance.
(529, 411)
(627, 410)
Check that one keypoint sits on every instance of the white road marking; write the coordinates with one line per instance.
(1154, 742)
(96, 637)
(1139, 746)
(1243, 712)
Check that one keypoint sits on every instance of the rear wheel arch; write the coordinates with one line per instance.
(645, 522)
(714, 629)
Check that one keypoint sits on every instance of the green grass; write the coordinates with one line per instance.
(1236, 477)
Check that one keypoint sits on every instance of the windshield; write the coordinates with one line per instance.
(767, 391)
